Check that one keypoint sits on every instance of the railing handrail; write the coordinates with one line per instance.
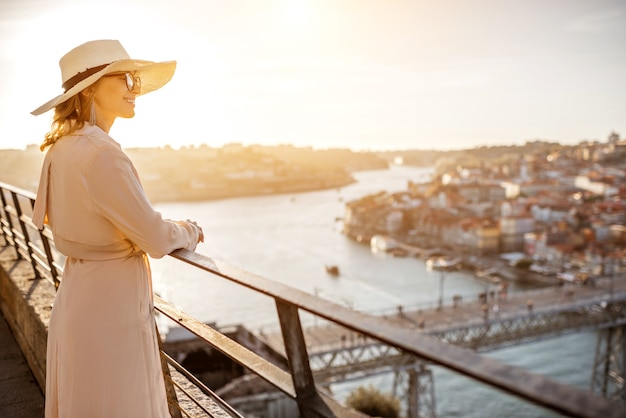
(298, 382)
(535, 388)
(26, 193)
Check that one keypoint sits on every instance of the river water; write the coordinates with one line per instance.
(290, 238)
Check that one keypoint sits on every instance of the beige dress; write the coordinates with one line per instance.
(103, 358)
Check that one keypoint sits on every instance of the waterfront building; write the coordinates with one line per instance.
(512, 230)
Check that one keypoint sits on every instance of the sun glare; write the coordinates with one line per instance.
(345, 72)
(298, 13)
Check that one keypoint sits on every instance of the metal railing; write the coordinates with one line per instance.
(297, 382)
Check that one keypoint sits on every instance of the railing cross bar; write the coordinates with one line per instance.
(269, 372)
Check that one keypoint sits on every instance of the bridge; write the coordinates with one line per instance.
(32, 269)
(499, 321)
(490, 322)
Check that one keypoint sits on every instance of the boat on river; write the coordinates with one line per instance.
(443, 263)
(382, 243)
(332, 270)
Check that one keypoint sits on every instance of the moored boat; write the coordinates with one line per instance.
(332, 270)
(443, 263)
(382, 243)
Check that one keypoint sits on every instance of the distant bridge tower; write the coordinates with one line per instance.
(414, 385)
(609, 370)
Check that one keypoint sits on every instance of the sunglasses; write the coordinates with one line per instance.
(133, 84)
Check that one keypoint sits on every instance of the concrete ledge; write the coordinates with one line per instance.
(26, 304)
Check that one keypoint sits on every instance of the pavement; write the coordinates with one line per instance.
(20, 395)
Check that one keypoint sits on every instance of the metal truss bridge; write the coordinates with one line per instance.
(491, 322)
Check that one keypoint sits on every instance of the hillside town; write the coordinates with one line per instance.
(559, 212)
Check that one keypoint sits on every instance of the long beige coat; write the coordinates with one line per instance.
(103, 358)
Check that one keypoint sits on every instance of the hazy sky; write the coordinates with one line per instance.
(361, 74)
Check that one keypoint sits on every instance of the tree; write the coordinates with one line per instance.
(523, 263)
(374, 403)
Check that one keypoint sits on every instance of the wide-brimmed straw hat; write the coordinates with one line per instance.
(87, 63)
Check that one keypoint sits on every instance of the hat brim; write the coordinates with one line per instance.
(154, 75)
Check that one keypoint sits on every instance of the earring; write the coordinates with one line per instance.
(92, 115)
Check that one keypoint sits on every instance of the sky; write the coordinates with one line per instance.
(358, 74)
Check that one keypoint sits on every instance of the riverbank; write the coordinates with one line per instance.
(160, 192)
(202, 173)
(492, 269)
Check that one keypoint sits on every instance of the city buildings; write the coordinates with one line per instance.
(564, 210)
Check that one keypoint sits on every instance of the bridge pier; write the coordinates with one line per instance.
(609, 369)
(414, 386)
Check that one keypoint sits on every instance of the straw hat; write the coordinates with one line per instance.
(87, 63)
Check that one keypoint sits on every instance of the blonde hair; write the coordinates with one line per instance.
(68, 117)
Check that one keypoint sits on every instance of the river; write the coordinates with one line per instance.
(290, 238)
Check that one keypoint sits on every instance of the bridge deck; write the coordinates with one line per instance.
(470, 314)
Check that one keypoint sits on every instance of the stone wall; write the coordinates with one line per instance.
(26, 304)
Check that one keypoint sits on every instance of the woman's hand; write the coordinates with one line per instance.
(200, 232)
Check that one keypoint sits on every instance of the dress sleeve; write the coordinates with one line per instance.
(118, 196)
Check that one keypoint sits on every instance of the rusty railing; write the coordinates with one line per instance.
(37, 248)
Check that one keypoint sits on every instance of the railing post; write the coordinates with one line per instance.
(309, 402)
(170, 391)
(413, 394)
(2, 214)
(29, 249)
(8, 224)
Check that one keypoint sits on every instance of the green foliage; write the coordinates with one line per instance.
(523, 263)
(374, 403)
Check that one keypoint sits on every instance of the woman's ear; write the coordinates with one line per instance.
(86, 93)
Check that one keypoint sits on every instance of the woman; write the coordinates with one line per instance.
(102, 355)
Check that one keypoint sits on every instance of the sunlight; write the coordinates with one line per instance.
(360, 74)
(298, 13)
(34, 86)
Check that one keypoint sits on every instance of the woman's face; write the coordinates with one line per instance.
(112, 99)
